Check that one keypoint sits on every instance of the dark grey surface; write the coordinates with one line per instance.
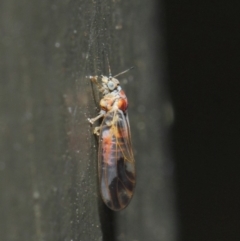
(48, 165)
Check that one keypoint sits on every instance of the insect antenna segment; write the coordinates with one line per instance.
(109, 69)
(125, 71)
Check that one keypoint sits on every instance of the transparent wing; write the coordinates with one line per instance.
(116, 162)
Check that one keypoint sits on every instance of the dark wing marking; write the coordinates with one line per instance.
(116, 162)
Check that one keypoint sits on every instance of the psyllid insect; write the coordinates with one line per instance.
(116, 165)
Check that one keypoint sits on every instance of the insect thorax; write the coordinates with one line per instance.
(116, 98)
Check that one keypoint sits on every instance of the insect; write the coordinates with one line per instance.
(116, 165)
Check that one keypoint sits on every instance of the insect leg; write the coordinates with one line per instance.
(96, 118)
(101, 114)
(97, 130)
(94, 80)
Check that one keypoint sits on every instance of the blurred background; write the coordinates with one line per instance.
(203, 57)
(184, 114)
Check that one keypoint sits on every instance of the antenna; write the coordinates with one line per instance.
(123, 72)
(109, 69)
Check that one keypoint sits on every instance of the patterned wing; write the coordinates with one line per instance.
(116, 162)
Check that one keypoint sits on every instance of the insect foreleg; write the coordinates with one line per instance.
(93, 79)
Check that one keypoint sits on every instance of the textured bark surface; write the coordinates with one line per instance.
(48, 164)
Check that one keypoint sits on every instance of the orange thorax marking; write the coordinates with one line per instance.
(108, 100)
